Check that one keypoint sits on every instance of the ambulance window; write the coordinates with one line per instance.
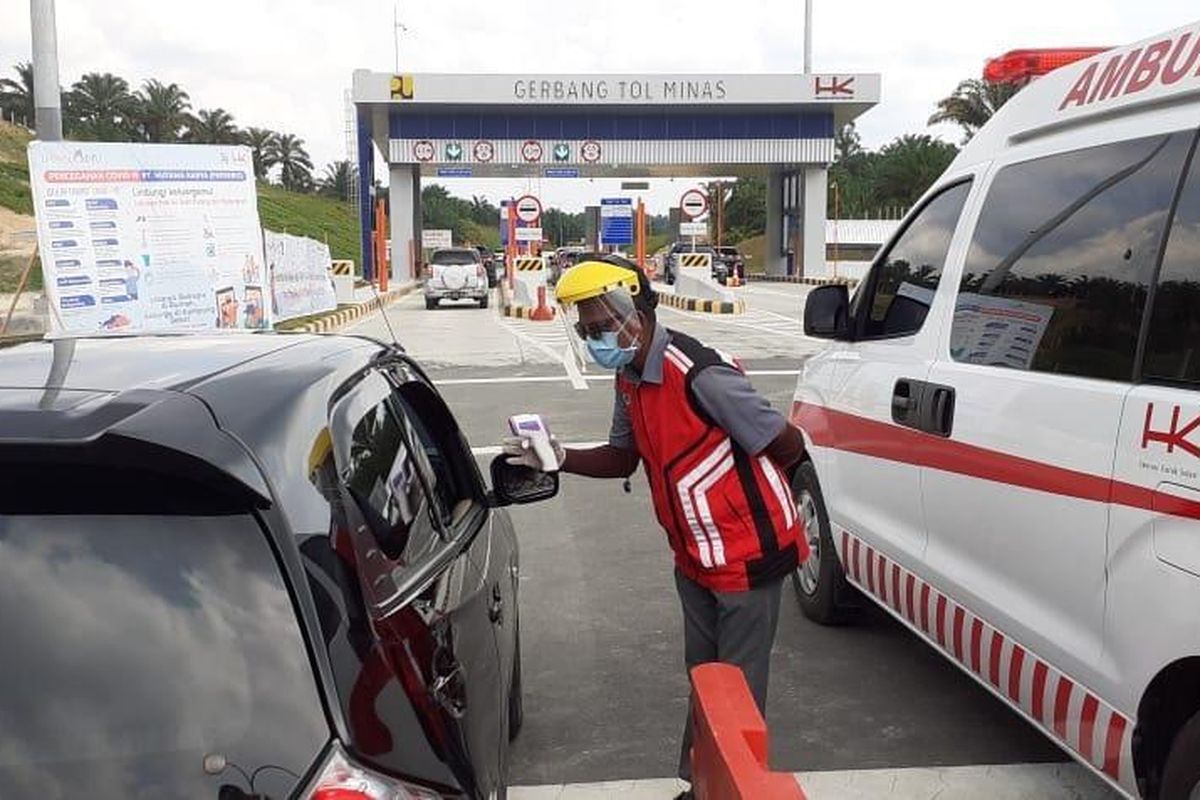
(1056, 277)
(1173, 343)
(894, 300)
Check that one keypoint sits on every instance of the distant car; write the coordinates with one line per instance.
(672, 261)
(564, 259)
(456, 273)
(262, 566)
(734, 263)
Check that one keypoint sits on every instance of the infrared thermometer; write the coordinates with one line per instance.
(533, 428)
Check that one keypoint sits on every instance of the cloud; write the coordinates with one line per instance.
(285, 65)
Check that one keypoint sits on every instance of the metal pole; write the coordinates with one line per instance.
(807, 37)
(48, 104)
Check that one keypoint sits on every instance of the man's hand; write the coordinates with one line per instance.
(519, 452)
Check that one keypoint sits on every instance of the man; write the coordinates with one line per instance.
(716, 456)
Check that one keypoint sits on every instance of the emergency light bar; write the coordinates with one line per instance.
(1019, 66)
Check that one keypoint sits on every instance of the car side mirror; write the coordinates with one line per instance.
(827, 312)
(515, 484)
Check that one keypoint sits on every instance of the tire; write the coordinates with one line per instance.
(1181, 774)
(516, 705)
(483, 302)
(820, 584)
(431, 303)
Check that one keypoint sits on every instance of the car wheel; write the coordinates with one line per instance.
(820, 584)
(1181, 775)
(516, 706)
(431, 303)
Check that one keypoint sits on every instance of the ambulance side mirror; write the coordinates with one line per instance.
(827, 312)
(514, 484)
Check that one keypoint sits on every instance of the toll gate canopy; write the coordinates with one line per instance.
(780, 126)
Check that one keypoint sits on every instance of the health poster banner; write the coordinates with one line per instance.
(298, 272)
(149, 237)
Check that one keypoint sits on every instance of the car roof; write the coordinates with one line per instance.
(1112, 87)
(188, 402)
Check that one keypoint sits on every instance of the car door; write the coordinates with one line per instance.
(848, 396)
(1154, 534)
(1038, 362)
(426, 588)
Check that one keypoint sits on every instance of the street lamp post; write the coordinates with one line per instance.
(48, 105)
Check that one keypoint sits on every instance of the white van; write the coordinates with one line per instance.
(1004, 431)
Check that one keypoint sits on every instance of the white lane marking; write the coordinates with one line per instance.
(566, 358)
(750, 289)
(996, 782)
(563, 378)
(494, 449)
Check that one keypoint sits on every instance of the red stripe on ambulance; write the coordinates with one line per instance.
(1098, 733)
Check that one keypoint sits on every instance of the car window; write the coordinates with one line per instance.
(1058, 269)
(452, 477)
(385, 479)
(453, 257)
(1174, 333)
(150, 656)
(896, 296)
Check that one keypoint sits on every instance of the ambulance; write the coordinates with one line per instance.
(1004, 429)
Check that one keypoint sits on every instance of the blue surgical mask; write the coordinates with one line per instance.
(608, 353)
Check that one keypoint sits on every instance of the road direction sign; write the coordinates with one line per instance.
(529, 209)
(693, 203)
(616, 220)
(454, 151)
(562, 151)
(529, 234)
(693, 228)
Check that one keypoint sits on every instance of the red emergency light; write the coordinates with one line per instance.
(1019, 66)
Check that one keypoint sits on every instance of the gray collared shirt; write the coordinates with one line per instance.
(723, 392)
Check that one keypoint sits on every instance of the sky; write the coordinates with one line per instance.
(286, 65)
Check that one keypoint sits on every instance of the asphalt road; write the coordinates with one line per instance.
(605, 691)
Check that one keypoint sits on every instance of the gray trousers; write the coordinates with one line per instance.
(731, 627)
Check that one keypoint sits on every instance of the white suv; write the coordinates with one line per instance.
(1005, 429)
(456, 273)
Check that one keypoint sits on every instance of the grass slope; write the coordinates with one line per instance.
(319, 218)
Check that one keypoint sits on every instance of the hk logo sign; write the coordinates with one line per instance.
(1173, 436)
(834, 87)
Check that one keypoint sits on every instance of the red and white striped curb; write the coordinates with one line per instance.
(1076, 716)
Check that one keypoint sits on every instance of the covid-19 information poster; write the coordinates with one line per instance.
(149, 237)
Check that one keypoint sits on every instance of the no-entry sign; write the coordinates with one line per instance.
(529, 208)
(693, 203)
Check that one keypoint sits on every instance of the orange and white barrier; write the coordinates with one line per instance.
(729, 741)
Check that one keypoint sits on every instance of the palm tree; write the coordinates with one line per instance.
(339, 180)
(295, 167)
(972, 104)
(100, 107)
(162, 111)
(16, 97)
(212, 126)
(908, 166)
(260, 141)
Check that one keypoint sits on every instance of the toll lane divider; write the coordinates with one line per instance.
(760, 278)
(704, 306)
(508, 308)
(346, 314)
(729, 741)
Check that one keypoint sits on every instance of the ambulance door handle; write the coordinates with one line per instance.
(938, 418)
(906, 401)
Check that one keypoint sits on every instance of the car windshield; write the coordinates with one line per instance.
(150, 656)
(451, 257)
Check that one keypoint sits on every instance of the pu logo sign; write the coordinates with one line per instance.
(402, 87)
(1175, 436)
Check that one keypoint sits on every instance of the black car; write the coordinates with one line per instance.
(672, 261)
(735, 263)
(261, 566)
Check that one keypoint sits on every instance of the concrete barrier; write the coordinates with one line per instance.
(697, 282)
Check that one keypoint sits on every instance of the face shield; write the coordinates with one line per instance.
(607, 327)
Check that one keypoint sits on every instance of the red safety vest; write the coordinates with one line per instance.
(729, 516)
